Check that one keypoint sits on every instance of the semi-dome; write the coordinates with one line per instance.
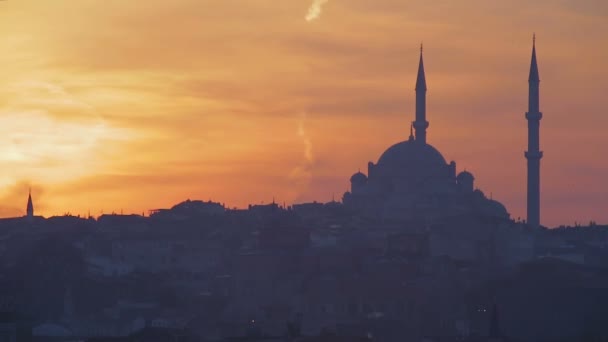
(410, 155)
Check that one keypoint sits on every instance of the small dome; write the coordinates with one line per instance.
(358, 177)
(465, 175)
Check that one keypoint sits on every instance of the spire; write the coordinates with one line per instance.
(421, 80)
(412, 131)
(533, 66)
(30, 205)
(420, 124)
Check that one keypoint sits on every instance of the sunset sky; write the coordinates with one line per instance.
(110, 105)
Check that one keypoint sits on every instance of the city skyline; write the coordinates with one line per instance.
(208, 108)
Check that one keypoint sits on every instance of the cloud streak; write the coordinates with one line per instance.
(315, 10)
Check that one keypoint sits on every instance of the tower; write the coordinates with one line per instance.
(420, 124)
(533, 155)
(30, 205)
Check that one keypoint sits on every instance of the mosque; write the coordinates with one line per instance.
(413, 181)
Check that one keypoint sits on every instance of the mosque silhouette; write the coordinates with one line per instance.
(412, 180)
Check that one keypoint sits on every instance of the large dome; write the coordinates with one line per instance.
(411, 155)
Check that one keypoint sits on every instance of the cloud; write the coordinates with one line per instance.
(44, 127)
(314, 12)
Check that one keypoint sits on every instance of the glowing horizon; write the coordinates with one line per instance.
(110, 106)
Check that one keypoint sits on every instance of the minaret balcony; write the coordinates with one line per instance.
(533, 155)
(421, 124)
(534, 115)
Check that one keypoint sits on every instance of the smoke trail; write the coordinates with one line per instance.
(306, 140)
(314, 12)
(301, 175)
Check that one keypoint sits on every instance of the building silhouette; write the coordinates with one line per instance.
(413, 181)
(533, 155)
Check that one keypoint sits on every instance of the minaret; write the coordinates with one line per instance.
(533, 155)
(420, 125)
(30, 205)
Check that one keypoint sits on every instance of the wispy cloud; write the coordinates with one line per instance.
(45, 127)
(314, 11)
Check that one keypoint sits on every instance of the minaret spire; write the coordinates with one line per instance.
(533, 64)
(420, 124)
(421, 79)
(30, 205)
(533, 155)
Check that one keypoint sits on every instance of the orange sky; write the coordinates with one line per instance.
(110, 105)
